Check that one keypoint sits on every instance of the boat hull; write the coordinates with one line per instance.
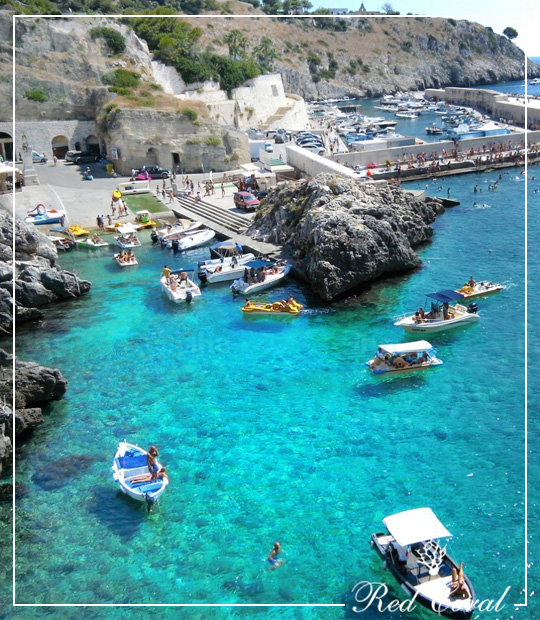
(182, 294)
(480, 292)
(399, 575)
(436, 326)
(387, 370)
(271, 280)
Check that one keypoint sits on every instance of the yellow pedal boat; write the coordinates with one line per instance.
(278, 307)
(78, 231)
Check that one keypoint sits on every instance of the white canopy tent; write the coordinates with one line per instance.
(406, 347)
(415, 526)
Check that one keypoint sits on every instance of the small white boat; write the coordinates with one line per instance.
(94, 242)
(62, 243)
(124, 259)
(535, 81)
(127, 237)
(479, 289)
(180, 226)
(411, 550)
(403, 357)
(187, 241)
(262, 274)
(223, 269)
(225, 249)
(131, 473)
(178, 287)
(442, 315)
(42, 216)
(410, 115)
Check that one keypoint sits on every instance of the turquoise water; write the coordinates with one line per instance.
(272, 429)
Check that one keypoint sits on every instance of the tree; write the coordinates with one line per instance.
(237, 43)
(510, 32)
(387, 8)
(265, 53)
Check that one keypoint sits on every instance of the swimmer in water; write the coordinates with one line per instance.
(273, 559)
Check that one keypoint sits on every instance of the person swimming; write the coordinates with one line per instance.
(273, 558)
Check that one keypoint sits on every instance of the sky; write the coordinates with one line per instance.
(522, 15)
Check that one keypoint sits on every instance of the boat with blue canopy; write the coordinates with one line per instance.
(403, 357)
(442, 315)
(130, 471)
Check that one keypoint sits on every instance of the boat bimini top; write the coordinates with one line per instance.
(406, 347)
(447, 296)
(415, 526)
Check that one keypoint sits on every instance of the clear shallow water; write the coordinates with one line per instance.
(273, 430)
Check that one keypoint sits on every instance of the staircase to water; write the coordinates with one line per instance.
(211, 213)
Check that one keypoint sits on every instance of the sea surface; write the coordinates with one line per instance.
(272, 428)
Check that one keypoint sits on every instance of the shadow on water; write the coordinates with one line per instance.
(120, 514)
(57, 474)
(262, 324)
(380, 386)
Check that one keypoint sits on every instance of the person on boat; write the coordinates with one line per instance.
(162, 473)
(458, 587)
(273, 558)
(234, 261)
(183, 277)
(471, 282)
(172, 284)
(423, 358)
(246, 276)
(166, 273)
(153, 467)
(131, 256)
(445, 312)
(400, 362)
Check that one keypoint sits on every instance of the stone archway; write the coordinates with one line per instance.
(92, 144)
(6, 146)
(151, 157)
(60, 146)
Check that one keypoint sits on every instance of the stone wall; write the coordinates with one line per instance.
(312, 164)
(38, 135)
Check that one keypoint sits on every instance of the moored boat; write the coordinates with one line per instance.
(178, 287)
(127, 237)
(179, 227)
(403, 357)
(223, 269)
(42, 216)
(131, 473)
(285, 307)
(442, 315)
(62, 243)
(78, 231)
(479, 289)
(261, 274)
(226, 249)
(411, 550)
(92, 242)
(189, 240)
(143, 219)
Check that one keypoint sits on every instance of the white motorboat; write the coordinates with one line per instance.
(127, 237)
(62, 243)
(535, 81)
(125, 259)
(92, 242)
(262, 274)
(442, 315)
(131, 473)
(225, 249)
(189, 240)
(403, 357)
(180, 226)
(223, 269)
(479, 289)
(410, 115)
(178, 287)
(411, 550)
(42, 216)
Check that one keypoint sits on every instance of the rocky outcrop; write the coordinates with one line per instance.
(34, 386)
(344, 232)
(32, 273)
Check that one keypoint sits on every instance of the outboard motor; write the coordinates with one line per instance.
(189, 297)
(175, 245)
(202, 276)
(154, 236)
(472, 308)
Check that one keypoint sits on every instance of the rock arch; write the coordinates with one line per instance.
(92, 144)
(60, 146)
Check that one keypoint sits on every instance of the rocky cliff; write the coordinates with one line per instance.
(344, 232)
(32, 273)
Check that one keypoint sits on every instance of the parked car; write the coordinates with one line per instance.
(246, 201)
(37, 158)
(80, 157)
(261, 193)
(157, 172)
(268, 147)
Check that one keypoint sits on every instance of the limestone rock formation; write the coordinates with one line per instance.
(38, 281)
(345, 232)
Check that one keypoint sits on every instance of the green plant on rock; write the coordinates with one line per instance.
(121, 78)
(36, 94)
(114, 39)
(213, 141)
(191, 114)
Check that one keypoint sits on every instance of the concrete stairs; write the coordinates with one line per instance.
(210, 214)
(280, 112)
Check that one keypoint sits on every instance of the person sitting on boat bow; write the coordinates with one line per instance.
(458, 587)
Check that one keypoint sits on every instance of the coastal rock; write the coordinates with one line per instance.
(38, 281)
(27, 419)
(345, 233)
(6, 448)
(35, 384)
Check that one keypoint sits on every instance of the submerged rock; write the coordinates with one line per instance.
(343, 232)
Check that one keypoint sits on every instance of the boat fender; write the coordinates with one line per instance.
(472, 308)
(189, 297)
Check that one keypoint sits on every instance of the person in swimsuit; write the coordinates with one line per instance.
(147, 477)
(153, 467)
(458, 587)
(273, 558)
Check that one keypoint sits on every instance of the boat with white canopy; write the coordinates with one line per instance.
(180, 226)
(127, 237)
(411, 550)
(403, 357)
(442, 315)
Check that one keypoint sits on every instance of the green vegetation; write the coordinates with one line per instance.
(213, 141)
(191, 114)
(140, 202)
(36, 94)
(510, 32)
(114, 39)
(121, 78)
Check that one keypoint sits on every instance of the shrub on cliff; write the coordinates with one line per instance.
(36, 94)
(121, 78)
(114, 39)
